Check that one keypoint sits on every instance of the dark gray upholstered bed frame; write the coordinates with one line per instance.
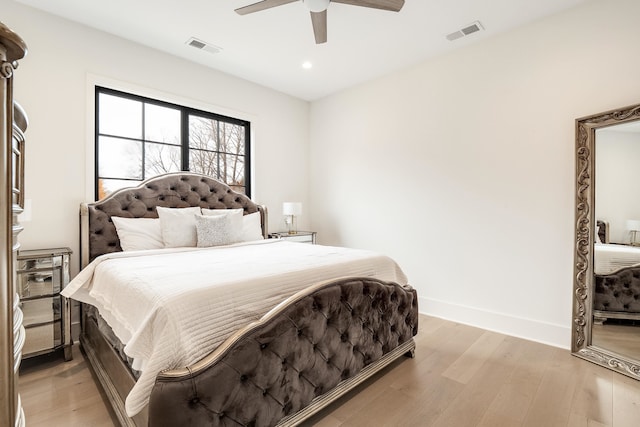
(302, 355)
(616, 295)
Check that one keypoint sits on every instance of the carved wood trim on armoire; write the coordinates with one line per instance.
(13, 123)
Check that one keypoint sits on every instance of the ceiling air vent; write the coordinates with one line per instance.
(468, 30)
(199, 44)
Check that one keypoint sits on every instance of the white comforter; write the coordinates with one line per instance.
(609, 258)
(171, 307)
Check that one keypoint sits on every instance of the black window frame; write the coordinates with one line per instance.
(185, 113)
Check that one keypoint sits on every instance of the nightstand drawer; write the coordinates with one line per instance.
(40, 311)
(40, 283)
(42, 338)
(299, 238)
(47, 263)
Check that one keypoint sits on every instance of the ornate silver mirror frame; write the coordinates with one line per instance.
(581, 345)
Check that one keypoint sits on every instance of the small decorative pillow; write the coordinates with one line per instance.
(251, 227)
(178, 226)
(138, 233)
(217, 230)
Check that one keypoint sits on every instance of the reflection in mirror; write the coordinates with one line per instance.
(606, 305)
(616, 297)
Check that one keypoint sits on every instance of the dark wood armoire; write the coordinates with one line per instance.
(13, 123)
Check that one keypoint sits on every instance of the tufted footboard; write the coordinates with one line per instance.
(299, 357)
(617, 295)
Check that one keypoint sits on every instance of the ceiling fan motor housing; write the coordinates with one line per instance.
(317, 5)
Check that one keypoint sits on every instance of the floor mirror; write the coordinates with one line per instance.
(606, 291)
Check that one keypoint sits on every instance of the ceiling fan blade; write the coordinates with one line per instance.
(262, 5)
(392, 5)
(319, 21)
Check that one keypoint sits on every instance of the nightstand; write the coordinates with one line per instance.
(42, 274)
(300, 236)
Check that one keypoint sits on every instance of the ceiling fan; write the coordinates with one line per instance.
(318, 10)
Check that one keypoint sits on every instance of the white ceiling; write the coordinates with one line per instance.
(269, 47)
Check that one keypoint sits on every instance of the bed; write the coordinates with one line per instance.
(617, 279)
(304, 323)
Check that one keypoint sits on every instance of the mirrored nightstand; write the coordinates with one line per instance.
(300, 236)
(42, 274)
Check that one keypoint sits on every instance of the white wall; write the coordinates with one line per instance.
(617, 176)
(54, 85)
(462, 167)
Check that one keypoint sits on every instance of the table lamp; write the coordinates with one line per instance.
(291, 210)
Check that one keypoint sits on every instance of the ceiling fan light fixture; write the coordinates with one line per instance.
(317, 5)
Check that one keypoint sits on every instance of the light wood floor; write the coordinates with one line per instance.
(461, 376)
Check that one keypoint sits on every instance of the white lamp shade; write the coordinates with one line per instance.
(633, 225)
(292, 208)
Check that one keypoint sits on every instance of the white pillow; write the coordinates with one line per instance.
(251, 227)
(218, 212)
(138, 233)
(217, 230)
(178, 226)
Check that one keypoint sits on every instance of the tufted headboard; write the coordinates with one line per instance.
(603, 231)
(173, 190)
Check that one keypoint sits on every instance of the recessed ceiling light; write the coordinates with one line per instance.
(307, 65)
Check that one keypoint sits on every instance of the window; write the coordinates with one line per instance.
(138, 138)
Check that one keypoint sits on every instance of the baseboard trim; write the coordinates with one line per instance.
(529, 329)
